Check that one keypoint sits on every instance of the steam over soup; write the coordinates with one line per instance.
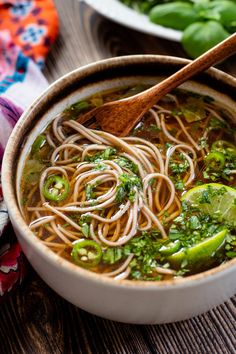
(158, 204)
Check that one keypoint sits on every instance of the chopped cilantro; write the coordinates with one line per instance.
(202, 142)
(126, 187)
(85, 230)
(205, 198)
(179, 168)
(194, 222)
(84, 219)
(231, 254)
(145, 250)
(123, 162)
(107, 154)
(216, 123)
(151, 181)
(89, 190)
(100, 167)
(154, 128)
(24, 200)
(84, 223)
(176, 112)
(209, 193)
(179, 185)
(168, 145)
(112, 255)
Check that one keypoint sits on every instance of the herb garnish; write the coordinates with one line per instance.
(89, 191)
(127, 186)
(123, 162)
(84, 222)
(112, 255)
(77, 108)
(202, 142)
(107, 154)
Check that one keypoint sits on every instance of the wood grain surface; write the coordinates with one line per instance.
(35, 319)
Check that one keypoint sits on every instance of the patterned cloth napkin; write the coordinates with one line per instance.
(27, 30)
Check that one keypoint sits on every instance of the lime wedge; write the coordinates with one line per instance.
(199, 255)
(214, 199)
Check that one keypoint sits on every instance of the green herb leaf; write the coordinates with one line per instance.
(85, 230)
(126, 187)
(112, 255)
(123, 162)
(107, 154)
(89, 190)
(154, 128)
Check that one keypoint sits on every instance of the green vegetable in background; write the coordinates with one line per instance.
(145, 6)
(204, 22)
(177, 15)
(226, 12)
(201, 36)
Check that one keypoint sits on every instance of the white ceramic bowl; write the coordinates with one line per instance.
(120, 300)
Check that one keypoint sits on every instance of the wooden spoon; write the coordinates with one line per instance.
(120, 117)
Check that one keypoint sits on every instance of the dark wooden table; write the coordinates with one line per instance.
(35, 319)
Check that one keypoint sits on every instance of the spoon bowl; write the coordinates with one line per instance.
(120, 117)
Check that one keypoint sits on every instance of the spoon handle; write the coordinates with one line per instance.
(206, 60)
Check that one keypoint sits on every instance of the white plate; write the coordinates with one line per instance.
(116, 11)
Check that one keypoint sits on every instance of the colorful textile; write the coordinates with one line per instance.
(27, 30)
(32, 25)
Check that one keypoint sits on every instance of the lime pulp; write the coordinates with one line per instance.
(214, 199)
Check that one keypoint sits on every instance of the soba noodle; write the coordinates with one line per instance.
(115, 190)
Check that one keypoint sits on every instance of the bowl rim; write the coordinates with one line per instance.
(43, 250)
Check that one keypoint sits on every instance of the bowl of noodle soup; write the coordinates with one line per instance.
(137, 228)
